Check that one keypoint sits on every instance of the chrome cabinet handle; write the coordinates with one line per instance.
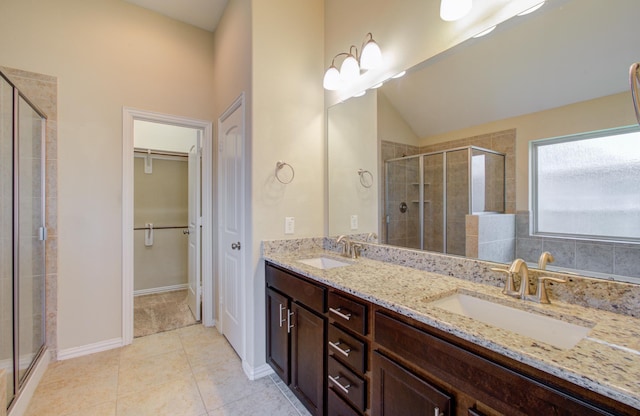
(340, 314)
(282, 308)
(335, 381)
(336, 346)
(289, 326)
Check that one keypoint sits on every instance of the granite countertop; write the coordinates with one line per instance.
(607, 361)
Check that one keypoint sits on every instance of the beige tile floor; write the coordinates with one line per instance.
(190, 371)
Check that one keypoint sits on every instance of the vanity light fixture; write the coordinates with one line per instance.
(378, 85)
(399, 74)
(531, 9)
(451, 10)
(360, 94)
(369, 58)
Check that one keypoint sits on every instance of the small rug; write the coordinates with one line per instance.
(161, 312)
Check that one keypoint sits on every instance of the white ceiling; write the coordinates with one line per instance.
(204, 14)
(569, 51)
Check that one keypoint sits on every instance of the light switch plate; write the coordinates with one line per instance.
(354, 222)
(289, 225)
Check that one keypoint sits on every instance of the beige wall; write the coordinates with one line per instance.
(353, 130)
(599, 114)
(288, 124)
(106, 54)
(160, 198)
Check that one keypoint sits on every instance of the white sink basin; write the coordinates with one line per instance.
(552, 331)
(324, 263)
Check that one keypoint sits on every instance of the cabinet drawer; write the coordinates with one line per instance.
(347, 384)
(348, 313)
(337, 407)
(347, 349)
(501, 388)
(307, 293)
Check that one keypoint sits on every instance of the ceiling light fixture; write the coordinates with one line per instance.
(399, 74)
(451, 10)
(369, 58)
(531, 9)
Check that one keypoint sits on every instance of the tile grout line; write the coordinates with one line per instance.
(193, 375)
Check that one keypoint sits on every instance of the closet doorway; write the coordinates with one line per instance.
(167, 213)
(166, 221)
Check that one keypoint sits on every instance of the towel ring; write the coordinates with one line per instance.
(279, 165)
(366, 178)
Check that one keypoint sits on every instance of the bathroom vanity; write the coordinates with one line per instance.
(366, 338)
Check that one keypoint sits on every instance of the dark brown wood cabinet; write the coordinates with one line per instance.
(397, 391)
(296, 334)
(386, 364)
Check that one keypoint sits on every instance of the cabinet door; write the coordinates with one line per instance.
(396, 391)
(307, 358)
(278, 334)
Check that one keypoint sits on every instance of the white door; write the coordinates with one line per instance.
(231, 223)
(194, 230)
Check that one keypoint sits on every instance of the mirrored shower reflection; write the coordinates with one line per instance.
(428, 196)
(22, 245)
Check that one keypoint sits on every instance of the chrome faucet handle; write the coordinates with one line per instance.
(509, 287)
(541, 295)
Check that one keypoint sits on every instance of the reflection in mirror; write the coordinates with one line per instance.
(560, 71)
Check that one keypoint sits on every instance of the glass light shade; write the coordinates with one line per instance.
(349, 70)
(331, 79)
(451, 10)
(532, 9)
(371, 57)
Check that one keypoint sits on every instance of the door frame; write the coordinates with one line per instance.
(238, 104)
(128, 116)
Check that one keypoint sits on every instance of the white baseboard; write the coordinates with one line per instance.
(89, 349)
(257, 372)
(162, 289)
(21, 402)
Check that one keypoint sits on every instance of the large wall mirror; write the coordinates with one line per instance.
(438, 160)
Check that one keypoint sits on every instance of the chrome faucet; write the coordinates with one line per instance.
(371, 236)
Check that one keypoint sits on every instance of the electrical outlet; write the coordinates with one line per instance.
(354, 222)
(289, 225)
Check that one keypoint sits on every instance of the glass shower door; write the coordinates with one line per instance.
(6, 235)
(434, 202)
(402, 208)
(31, 236)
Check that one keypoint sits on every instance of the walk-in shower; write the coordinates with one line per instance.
(428, 196)
(22, 236)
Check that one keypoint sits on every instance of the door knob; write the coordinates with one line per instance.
(186, 231)
(235, 246)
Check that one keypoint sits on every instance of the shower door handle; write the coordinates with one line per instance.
(235, 246)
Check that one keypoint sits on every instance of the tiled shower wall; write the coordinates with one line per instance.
(42, 90)
(596, 256)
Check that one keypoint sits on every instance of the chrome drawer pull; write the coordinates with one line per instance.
(336, 346)
(340, 314)
(289, 325)
(340, 386)
(282, 308)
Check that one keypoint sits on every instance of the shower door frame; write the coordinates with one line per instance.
(18, 381)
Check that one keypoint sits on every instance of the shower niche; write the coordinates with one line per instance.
(429, 196)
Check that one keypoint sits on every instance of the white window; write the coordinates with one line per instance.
(587, 186)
